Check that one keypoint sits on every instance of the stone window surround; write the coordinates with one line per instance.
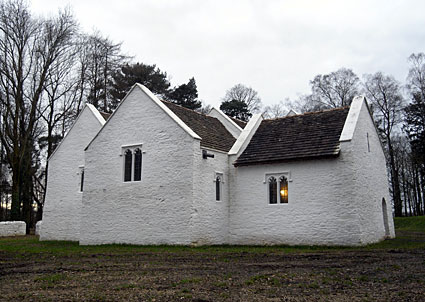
(132, 148)
(276, 175)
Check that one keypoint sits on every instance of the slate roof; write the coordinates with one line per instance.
(305, 136)
(212, 132)
(240, 123)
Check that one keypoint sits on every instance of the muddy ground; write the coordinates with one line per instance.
(341, 275)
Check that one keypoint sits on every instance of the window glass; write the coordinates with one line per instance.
(128, 157)
(82, 180)
(283, 191)
(272, 190)
(218, 188)
(137, 165)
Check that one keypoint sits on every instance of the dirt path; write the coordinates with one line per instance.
(207, 276)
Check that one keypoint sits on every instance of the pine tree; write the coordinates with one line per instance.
(185, 95)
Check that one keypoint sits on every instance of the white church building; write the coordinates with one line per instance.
(158, 173)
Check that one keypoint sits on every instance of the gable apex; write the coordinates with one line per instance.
(95, 113)
(168, 111)
(153, 98)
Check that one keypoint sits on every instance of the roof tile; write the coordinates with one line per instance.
(212, 132)
(304, 136)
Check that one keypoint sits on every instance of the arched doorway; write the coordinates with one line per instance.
(385, 215)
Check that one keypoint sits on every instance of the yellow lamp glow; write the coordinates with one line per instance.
(283, 193)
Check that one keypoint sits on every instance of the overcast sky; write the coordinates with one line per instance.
(276, 47)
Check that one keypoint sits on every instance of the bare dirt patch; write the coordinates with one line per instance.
(372, 275)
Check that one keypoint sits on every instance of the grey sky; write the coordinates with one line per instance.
(276, 47)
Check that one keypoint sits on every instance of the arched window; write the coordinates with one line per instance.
(137, 164)
(128, 158)
(272, 190)
(218, 188)
(283, 191)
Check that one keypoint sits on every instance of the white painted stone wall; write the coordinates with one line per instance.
(210, 217)
(12, 228)
(227, 122)
(61, 213)
(38, 227)
(155, 210)
(370, 179)
(331, 201)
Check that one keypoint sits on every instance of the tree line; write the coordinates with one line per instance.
(49, 69)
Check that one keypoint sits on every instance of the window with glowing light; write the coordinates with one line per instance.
(283, 192)
(277, 189)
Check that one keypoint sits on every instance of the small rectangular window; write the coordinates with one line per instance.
(218, 188)
(82, 180)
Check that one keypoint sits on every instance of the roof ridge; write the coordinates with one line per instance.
(308, 113)
(165, 101)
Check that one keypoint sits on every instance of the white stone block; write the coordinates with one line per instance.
(38, 227)
(12, 228)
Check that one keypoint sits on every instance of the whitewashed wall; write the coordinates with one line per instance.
(61, 213)
(227, 122)
(331, 201)
(370, 179)
(210, 217)
(12, 228)
(156, 210)
(319, 211)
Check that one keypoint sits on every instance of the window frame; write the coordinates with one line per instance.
(132, 148)
(277, 176)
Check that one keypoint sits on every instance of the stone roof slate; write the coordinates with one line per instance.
(240, 123)
(305, 136)
(212, 132)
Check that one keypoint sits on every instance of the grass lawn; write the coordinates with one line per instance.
(392, 270)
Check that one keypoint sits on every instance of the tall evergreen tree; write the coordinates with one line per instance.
(185, 95)
(237, 109)
(128, 75)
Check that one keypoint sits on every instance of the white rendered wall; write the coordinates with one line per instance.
(331, 201)
(61, 213)
(210, 217)
(12, 228)
(227, 122)
(370, 179)
(155, 210)
(319, 211)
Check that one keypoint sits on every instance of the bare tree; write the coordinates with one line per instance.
(336, 89)
(29, 48)
(276, 110)
(387, 102)
(100, 59)
(242, 93)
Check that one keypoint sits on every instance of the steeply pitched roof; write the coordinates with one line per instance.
(305, 136)
(212, 132)
(240, 123)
